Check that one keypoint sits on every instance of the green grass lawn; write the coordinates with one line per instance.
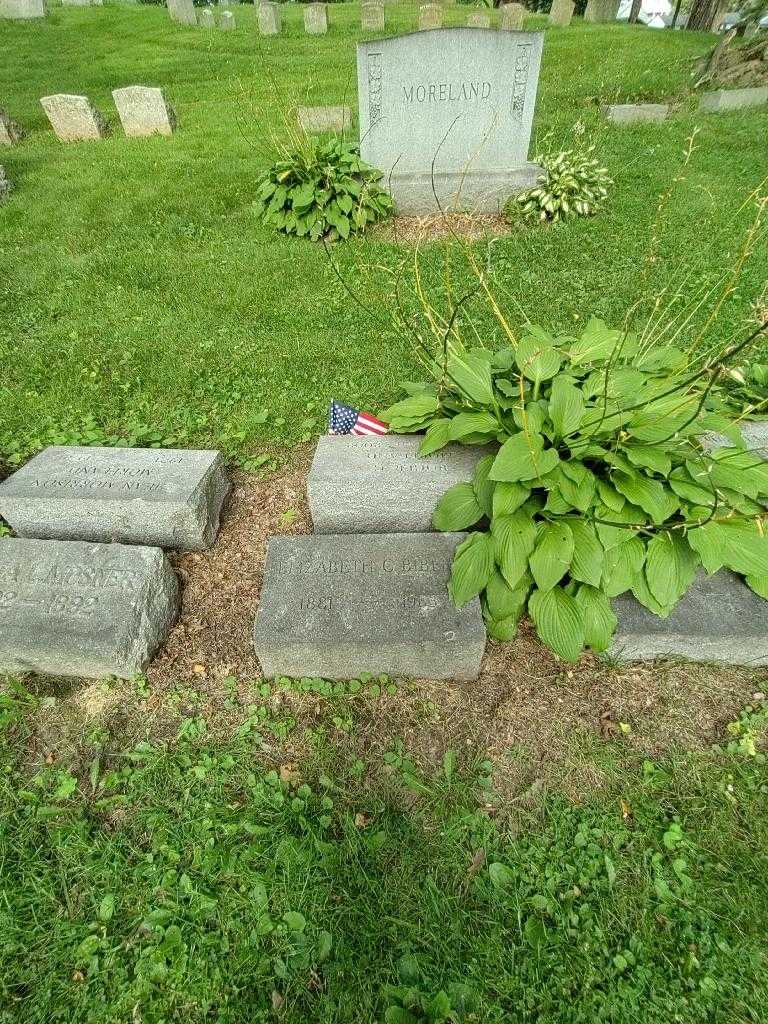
(140, 298)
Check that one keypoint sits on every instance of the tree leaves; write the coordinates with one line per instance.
(551, 558)
(559, 622)
(457, 509)
(472, 568)
(523, 457)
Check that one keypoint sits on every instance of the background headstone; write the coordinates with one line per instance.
(165, 497)
(75, 609)
(206, 18)
(73, 119)
(720, 619)
(512, 17)
(474, 123)
(478, 20)
(324, 119)
(77, 3)
(182, 11)
(561, 12)
(430, 16)
(5, 185)
(226, 21)
(733, 99)
(372, 17)
(10, 132)
(316, 19)
(598, 11)
(339, 606)
(382, 484)
(628, 113)
(144, 111)
(22, 10)
(269, 19)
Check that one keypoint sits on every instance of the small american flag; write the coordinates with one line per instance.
(342, 419)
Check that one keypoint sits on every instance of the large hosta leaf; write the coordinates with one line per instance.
(507, 498)
(566, 407)
(622, 565)
(651, 495)
(577, 484)
(559, 622)
(437, 436)
(537, 358)
(484, 487)
(514, 539)
(597, 343)
(412, 413)
(472, 568)
(457, 509)
(552, 556)
(588, 553)
(470, 372)
(599, 619)
(523, 457)
(474, 426)
(670, 567)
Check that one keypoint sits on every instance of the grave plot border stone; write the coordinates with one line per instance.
(335, 606)
(77, 609)
(721, 100)
(631, 113)
(161, 497)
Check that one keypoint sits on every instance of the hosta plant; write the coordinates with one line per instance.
(573, 184)
(596, 481)
(745, 389)
(322, 189)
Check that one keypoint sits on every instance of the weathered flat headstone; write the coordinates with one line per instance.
(719, 619)
(22, 10)
(512, 17)
(478, 20)
(339, 606)
(226, 21)
(372, 17)
(74, 609)
(5, 185)
(73, 118)
(599, 11)
(461, 100)
(316, 19)
(628, 113)
(430, 16)
(206, 18)
(733, 99)
(561, 13)
(144, 111)
(324, 119)
(10, 132)
(382, 484)
(182, 11)
(269, 19)
(166, 497)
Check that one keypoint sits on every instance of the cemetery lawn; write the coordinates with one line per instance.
(140, 299)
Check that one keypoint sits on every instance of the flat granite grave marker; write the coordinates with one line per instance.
(22, 10)
(73, 118)
(474, 120)
(338, 606)
(316, 19)
(733, 99)
(324, 119)
(10, 132)
(382, 484)
(144, 111)
(165, 497)
(561, 13)
(269, 19)
(75, 609)
(372, 17)
(182, 11)
(629, 113)
(478, 20)
(512, 17)
(720, 619)
(430, 16)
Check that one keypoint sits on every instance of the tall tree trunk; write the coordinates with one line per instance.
(634, 13)
(705, 14)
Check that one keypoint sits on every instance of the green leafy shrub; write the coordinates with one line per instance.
(573, 185)
(745, 389)
(322, 190)
(598, 483)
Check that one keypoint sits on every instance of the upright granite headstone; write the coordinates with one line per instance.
(430, 16)
(206, 18)
(512, 17)
(598, 11)
(461, 98)
(629, 113)
(226, 21)
(372, 17)
(561, 12)
(269, 19)
(75, 609)
(324, 119)
(73, 118)
(339, 606)
(182, 11)
(316, 19)
(10, 132)
(478, 20)
(382, 484)
(720, 619)
(166, 497)
(144, 111)
(733, 99)
(22, 10)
